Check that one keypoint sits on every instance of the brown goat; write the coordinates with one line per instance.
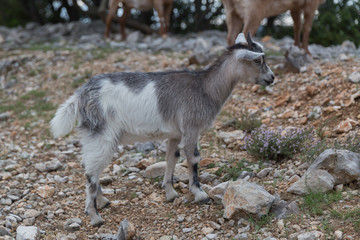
(162, 7)
(247, 15)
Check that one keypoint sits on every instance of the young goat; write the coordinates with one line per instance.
(121, 108)
(249, 13)
(162, 7)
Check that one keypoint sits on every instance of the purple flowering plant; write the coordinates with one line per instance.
(277, 144)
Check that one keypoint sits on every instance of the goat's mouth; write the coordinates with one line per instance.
(268, 82)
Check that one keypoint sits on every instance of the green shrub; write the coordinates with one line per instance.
(248, 122)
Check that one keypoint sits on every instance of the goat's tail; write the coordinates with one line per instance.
(65, 117)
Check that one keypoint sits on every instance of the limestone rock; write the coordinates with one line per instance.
(73, 224)
(126, 230)
(27, 233)
(217, 192)
(355, 77)
(296, 59)
(158, 169)
(49, 166)
(283, 209)
(343, 165)
(243, 198)
(230, 137)
(45, 191)
(316, 180)
(343, 127)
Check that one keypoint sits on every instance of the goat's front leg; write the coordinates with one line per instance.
(102, 202)
(122, 21)
(159, 7)
(309, 13)
(167, 14)
(172, 156)
(296, 16)
(193, 158)
(113, 6)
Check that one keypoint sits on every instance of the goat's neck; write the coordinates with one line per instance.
(220, 80)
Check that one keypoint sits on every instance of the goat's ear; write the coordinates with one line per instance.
(240, 38)
(249, 39)
(247, 55)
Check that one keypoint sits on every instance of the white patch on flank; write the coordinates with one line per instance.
(137, 113)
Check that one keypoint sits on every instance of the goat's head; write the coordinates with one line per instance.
(252, 55)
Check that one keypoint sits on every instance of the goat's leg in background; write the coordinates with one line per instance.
(190, 140)
(309, 13)
(172, 156)
(296, 16)
(159, 7)
(167, 15)
(113, 7)
(251, 25)
(234, 24)
(97, 154)
(122, 21)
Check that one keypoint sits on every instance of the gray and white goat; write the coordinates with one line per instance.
(121, 108)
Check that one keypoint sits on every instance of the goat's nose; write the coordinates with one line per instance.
(273, 77)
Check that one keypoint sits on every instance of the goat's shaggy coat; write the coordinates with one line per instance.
(122, 108)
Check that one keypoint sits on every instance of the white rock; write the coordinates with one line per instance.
(266, 171)
(343, 165)
(230, 137)
(217, 192)
(48, 166)
(243, 198)
(338, 235)
(354, 77)
(158, 169)
(186, 230)
(316, 180)
(27, 233)
(211, 236)
(30, 213)
(207, 230)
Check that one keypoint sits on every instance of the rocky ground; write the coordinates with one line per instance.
(42, 182)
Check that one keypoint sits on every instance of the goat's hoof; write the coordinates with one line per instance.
(204, 201)
(201, 197)
(97, 221)
(171, 195)
(103, 203)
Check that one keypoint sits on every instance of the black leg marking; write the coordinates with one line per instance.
(195, 176)
(92, 187)
(177, 154)
(95, 206)
(196, 152)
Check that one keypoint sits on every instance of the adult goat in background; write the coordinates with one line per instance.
(162, 7)
(246, 15)
(125, 107)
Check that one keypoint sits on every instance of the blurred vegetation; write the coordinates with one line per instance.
(336, 21)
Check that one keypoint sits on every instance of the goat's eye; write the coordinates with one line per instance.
(257, 61)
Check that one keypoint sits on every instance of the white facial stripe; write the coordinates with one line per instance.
(241, 39)
(247, 55)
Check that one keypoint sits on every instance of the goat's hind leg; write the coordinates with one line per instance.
(172, 156)
(97, 154)
(193, 158)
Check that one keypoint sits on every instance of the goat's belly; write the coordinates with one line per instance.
(130, 138)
